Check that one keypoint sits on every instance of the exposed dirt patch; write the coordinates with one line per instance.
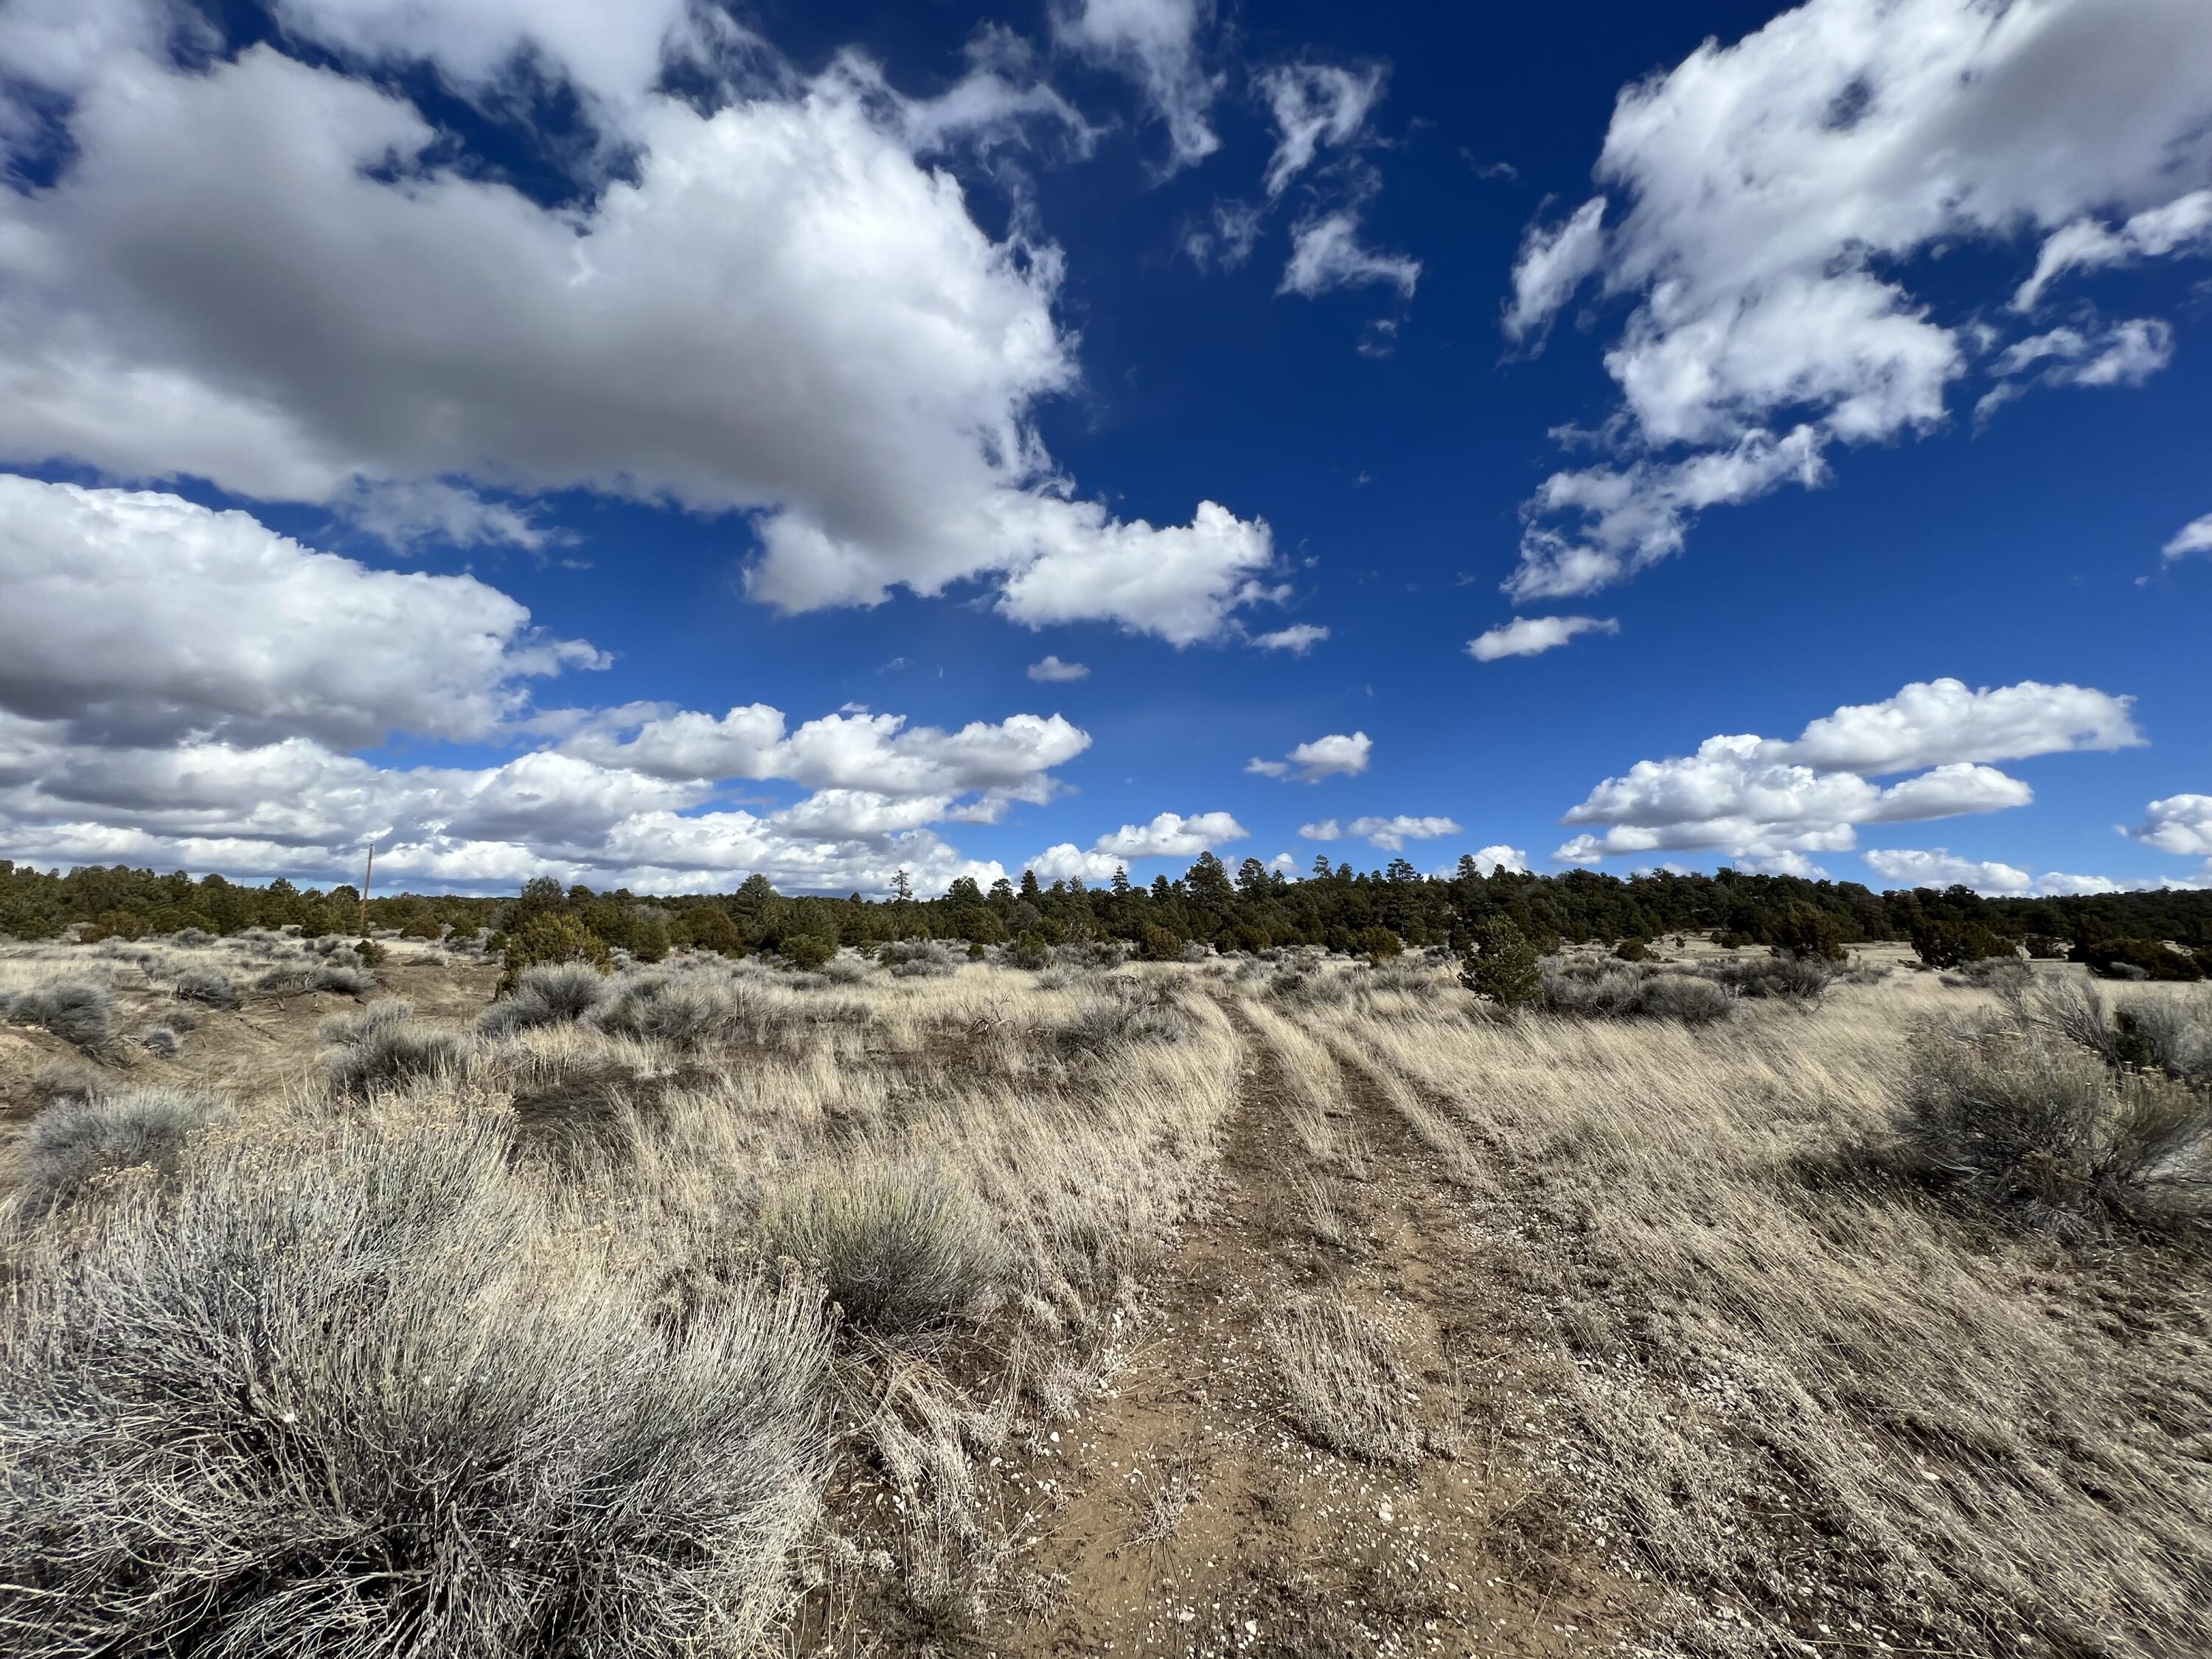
(1186, 1513)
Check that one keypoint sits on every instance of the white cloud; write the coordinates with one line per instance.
(295, 808)
(271, 276)
(1762, 797)
(1155, 44)
(143, 614)
(1767, 200)
(1235, 233)
(1555, 262)
(1941, 868)
(1489, 861)
(1298, 639)
(2179, 824)
(1331, 757)
(870, 752)
(2184, 224)
(1314, 104)
(1932, 722)
(1529, 636)
(1391, 834)
(1326, 253)
(2126, 354)
(1053, 671)
(1170, 834)
(2194, 536)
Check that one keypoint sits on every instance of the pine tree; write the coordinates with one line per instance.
(1502, 966)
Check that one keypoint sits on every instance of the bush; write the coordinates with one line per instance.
(2110, 958)
(1157, 944)
(76, 1012)
(1630, 991)
(681, 1011)
(547, 936)
(1632, 950)
(550, 994)
(1954, 944)
(2048, 1132)
(341, 977)
(214, 990)
(77, 1139)
(1805, 930)
(2170, 1034)
(252, 1473)
(159, 1042)
(1139, 1014)
(385, 1047)
(1501, 968)
(1688, 998)
(1797, 978)
(1378, 945)
(907, 1250)
(806, 951)
(1031, 951)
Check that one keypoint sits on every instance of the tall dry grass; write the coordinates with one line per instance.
(1819, 1402)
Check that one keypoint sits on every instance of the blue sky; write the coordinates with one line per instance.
(429, 424)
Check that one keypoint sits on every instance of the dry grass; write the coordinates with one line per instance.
(1809, 1399)
(1818, 1403)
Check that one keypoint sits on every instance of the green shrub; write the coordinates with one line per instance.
(806, 951)
(1954, 944)
(1378, 945)
(1805, 930)
(1632, 950)
(1501, 966)
(2110, 958)
(1031, 951)
(905, 1250)
(549, 936)
(1158, 945)
(333, 1402)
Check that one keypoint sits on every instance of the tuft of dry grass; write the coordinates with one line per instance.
(1345, 1388)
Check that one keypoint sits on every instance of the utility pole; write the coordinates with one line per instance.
(365, 875)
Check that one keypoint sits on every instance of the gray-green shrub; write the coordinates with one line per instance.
(907, 1249)
(386, 1047)
(75, 1011)
(328, 1399)
(550, 993)
(81, 1138)
(212, 990)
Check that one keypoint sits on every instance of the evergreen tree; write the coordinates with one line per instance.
(1502, 966)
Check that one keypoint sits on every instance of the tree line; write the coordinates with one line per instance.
(1251, 907)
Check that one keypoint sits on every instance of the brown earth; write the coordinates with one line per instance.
(1186, 1516)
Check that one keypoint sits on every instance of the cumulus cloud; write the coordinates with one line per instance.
(1053, 671)
(1390, 833)
(1940, 868)
(139, 613)
(1331, 757)
(1529, 636)
(295, 808)
(1488, 862)
(1326, 252)
(1313, 105)
(1155, 44)
(1763, 204)
(1011, 759)
(1764, 797)
(1170, 834)
(2181, 825)
(1298, 639)
(278, 277)
(2194, 536)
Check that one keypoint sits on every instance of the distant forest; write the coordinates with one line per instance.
(1249, 908)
